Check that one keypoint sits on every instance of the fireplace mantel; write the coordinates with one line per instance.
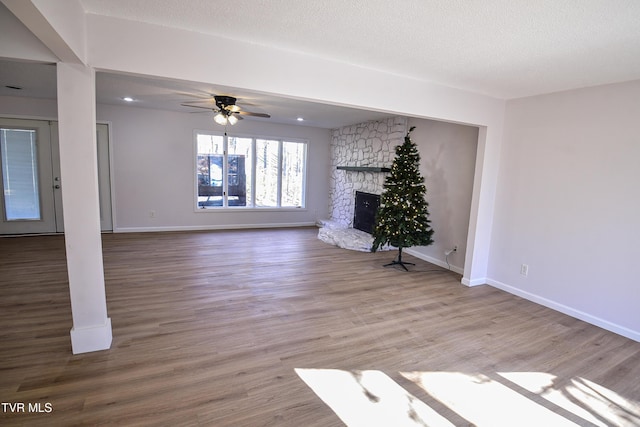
(364, 168)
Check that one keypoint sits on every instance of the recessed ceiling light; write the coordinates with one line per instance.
(300, 119)
(128, 99)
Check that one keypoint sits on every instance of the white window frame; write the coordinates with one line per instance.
(225, 204)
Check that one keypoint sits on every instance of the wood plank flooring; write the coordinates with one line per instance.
(209, 327)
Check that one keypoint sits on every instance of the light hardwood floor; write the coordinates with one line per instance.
(209, 327)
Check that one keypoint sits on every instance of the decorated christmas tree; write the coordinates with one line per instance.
(402, 219)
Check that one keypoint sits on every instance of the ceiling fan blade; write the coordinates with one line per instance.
(249, 113)
(200, 106)
(200, 101)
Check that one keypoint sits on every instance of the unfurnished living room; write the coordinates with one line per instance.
(287, 213)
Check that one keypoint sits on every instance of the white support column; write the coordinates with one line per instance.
(79, 177)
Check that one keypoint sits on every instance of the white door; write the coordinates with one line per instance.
(32, 197)
(104, 177)
(27, 203)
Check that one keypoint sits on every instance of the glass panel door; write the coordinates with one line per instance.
(27, 202)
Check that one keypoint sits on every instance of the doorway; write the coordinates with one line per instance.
(31, 202)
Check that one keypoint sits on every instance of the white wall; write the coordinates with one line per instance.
(447, 163)
(153, 167)
(568, 204)
(28, 108)
(17, 42)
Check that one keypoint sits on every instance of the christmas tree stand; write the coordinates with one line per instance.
(399, 261)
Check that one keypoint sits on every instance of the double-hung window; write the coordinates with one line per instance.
(249, 172)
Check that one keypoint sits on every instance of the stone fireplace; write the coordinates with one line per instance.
(358, 152)
(360, 157)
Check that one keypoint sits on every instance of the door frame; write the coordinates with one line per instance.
(49, 169)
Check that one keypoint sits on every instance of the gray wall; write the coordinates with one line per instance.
(447, 159)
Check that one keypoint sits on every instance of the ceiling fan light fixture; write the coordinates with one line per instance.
(220, 119)
(226, 111)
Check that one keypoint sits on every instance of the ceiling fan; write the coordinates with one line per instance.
(226, 109)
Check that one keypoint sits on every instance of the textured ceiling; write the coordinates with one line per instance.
(503, 48)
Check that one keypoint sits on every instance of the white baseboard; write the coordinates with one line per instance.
(569, 311)
(474, 282)
(433, 260)
(209, 227)
(92, 338)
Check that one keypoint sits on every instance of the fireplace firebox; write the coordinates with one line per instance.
(364, 215)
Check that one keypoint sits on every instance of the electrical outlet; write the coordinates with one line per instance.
(152, 214)
(524, 269)
(455, 248)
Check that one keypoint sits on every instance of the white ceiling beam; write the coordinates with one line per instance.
(59, 25)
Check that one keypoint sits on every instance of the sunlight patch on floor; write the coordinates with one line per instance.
(484, 402)
(580, 396)
(369, 398)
